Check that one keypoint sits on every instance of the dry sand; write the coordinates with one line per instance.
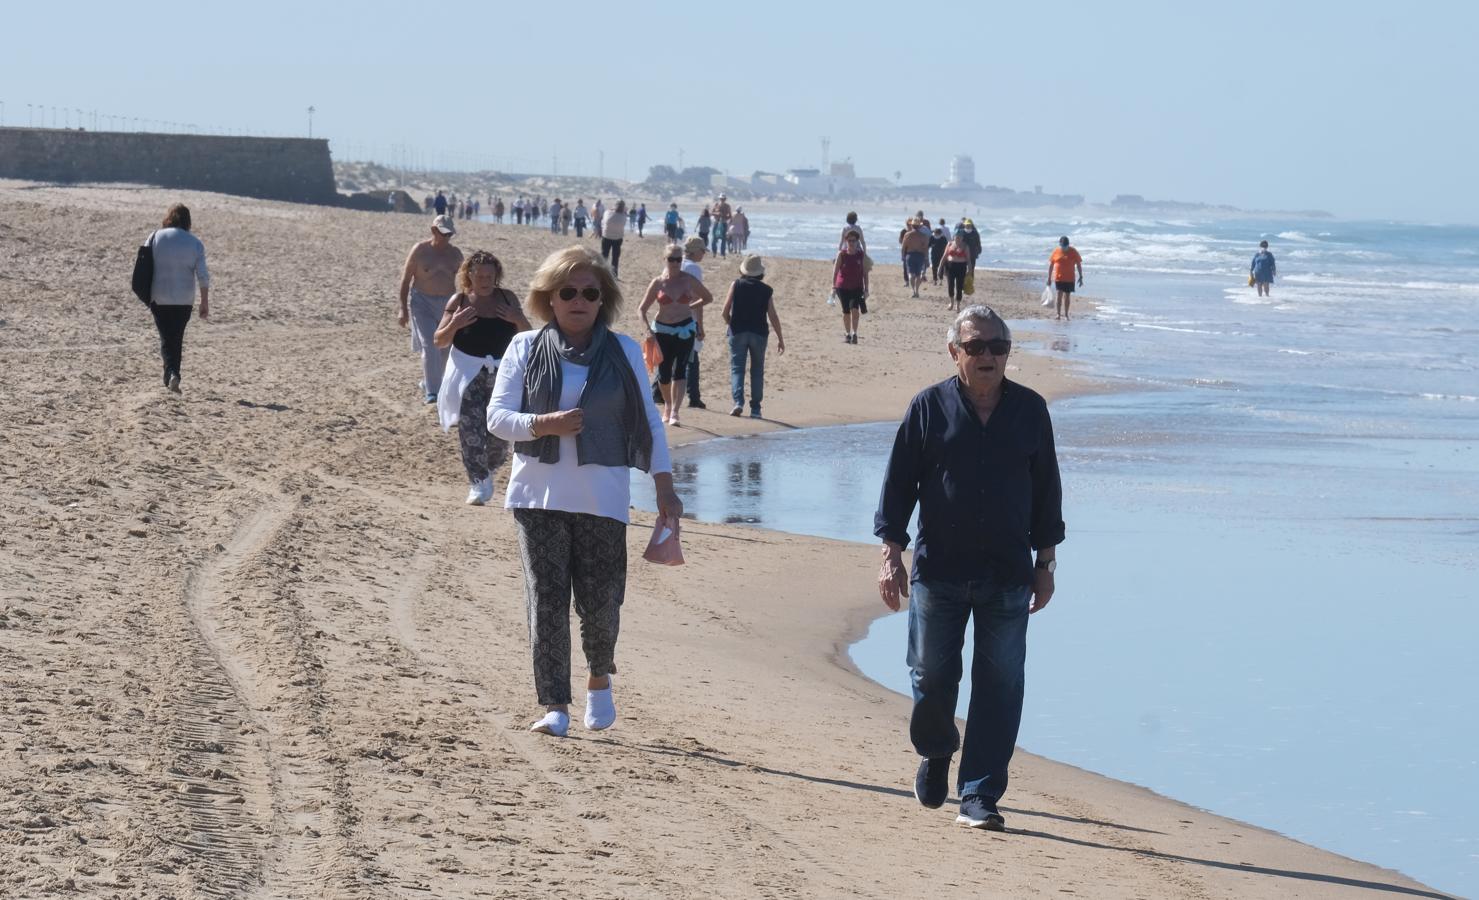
(253, 644)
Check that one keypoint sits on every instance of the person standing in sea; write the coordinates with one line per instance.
(1263, 269)
(428, 280)
(179, 269)
(1061, 266)
(976, 454)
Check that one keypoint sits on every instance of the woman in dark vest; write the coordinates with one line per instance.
(750, 312)
(479, 321)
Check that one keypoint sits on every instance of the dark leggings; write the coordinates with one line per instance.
(675, 352)
(171, 322)
(611, 249)
(955, 280)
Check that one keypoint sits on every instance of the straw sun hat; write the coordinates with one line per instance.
(752, 267)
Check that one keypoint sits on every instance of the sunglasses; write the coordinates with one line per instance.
(676, 259)
(591, 294)
(996, 346)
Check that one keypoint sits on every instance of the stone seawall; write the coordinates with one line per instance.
(295, 169)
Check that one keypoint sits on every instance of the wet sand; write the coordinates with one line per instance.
(253, 644)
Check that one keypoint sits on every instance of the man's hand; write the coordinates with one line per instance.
(204, 311)
(404, 317)
(893, 577)
(1042, 589)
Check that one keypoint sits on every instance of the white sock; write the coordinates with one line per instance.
(554, 722)
(600, 709)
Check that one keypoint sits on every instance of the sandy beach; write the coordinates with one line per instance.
(252, 643)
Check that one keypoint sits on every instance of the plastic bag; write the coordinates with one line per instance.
(651, 353)
(832, 298)
(663, 548)
(1049, 296)
(970, 283)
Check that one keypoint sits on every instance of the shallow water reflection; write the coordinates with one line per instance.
(1266, 622)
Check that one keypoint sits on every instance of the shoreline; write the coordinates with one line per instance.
(276, 627)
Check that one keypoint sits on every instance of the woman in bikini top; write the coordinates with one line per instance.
(676, 293)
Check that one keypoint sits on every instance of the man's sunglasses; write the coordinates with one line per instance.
(676, 259)
(996, 346)
(591, 294)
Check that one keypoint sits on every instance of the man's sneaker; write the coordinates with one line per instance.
(737, 410)
(977, 814)
(697, 404)
(174, 382)
(755, 413)
(932, 781)
(430, 398)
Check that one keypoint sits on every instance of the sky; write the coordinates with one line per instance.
(1359, 108)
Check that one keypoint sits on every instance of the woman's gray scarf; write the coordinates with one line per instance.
(615, 431)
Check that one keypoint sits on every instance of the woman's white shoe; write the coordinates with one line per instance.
(600, 710)
(554, 722)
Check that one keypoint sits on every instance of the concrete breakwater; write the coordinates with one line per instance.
(293, 169)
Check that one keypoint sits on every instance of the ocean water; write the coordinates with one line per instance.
(1269, 595)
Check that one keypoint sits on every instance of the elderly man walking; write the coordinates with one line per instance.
(975, 452)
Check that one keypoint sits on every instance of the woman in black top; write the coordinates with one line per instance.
(750, 311)
(479, 321)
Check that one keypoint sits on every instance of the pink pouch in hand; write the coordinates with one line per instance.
(664, 548)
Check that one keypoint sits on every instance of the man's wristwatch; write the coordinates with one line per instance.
(1047, 565)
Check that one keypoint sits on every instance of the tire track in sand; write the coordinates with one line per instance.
(241, 604)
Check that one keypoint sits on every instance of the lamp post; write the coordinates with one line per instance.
(311, 111)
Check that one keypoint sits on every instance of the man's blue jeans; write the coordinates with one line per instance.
(938, 612)
(753, 345)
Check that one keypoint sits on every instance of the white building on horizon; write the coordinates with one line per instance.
(962, 173)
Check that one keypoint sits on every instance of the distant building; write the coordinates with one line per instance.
(843, 170)
(962, 174)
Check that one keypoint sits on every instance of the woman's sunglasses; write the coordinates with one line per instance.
(996, 346)
(676, 259)
(591, 294)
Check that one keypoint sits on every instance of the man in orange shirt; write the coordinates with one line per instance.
(1060, 274)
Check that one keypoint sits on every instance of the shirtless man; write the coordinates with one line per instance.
(915, 243)
(427, 282)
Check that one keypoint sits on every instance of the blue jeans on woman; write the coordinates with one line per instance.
(938, 612)
(742, 344)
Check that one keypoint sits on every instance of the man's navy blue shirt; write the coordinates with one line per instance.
(988, 495)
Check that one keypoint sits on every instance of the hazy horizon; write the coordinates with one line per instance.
(1360, 112)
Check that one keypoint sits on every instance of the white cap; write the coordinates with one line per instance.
(444, 225)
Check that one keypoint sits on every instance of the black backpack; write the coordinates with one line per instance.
(143, 282)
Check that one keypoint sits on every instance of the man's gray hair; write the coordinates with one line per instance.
(983, 315)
